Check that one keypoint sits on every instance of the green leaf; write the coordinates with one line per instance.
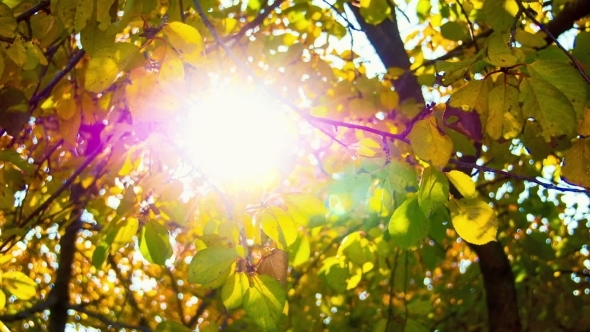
(125, 233)
(429, 143)
(474, 220)
(504, 118)
(408, 226)
(548, 106)
(13, 110)
(155, 243)
(473, 96)
(581, 51)
(101, 252)
(576, 163)
(19, 284)
(302, 251)
(453, 31)
(187, 41)
(499, 14)
(498, 52)
(434, 190)
(264, 302)
(374, 11)
(234, 290)
(171, 326)
(74, 14)
(104, 66)
(463, 183)
(210, 263)
(566, 79)
(453, 71)
(279, 225)
(14, 158)
(8, 23)
(306, 208)
(402, 176)
(103, 15)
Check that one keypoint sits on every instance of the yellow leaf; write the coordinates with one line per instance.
(429, 143)
(367, 146)
(474, 220)
(2, 300)
(19, 284)
(279, 225)
(576, 163)
(103, 16)
(463, 183)
(306, 208)
(186, 40)
(105, 65)
(127, 230)
(389, 99)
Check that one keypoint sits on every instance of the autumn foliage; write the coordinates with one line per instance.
(448, 191)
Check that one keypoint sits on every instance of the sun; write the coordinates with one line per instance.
(238, 132)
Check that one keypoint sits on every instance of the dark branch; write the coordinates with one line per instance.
(552, 35)
(109, 323)
(519, 177)
(27, 313)
(564, 21)
(47, 89)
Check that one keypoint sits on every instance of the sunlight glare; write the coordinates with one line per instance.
(238, 133)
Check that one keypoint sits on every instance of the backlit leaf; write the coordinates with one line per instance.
(279, 225)
(234, 290)
(473, 96)
(19, 284)
(504, 114)
(104, 66)
(2, 300)
(474, 220)
(126, 231)
(434, 190)
(264, 302)
(463, 183)
(155, 243)
(549, 106)
(186, 40)
(430, 144)
(210, 263)
(576, 163)
(408, 226)
(306, 208)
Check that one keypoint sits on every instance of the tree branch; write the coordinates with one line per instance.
(564, 21)
(47, 89)
(519, 177)
(552, 35)
(39, 307)
(109, 323)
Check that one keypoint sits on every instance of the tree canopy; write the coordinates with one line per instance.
(172, 165)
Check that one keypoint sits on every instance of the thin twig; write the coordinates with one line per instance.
(550, 35)
(27, 313)
(470, 24)
(306, 116)
(342, 15)
(47, 89)
(519, 177)
(177, 291)
(63, 187)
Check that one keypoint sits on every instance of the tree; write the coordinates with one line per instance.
(387, 213)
